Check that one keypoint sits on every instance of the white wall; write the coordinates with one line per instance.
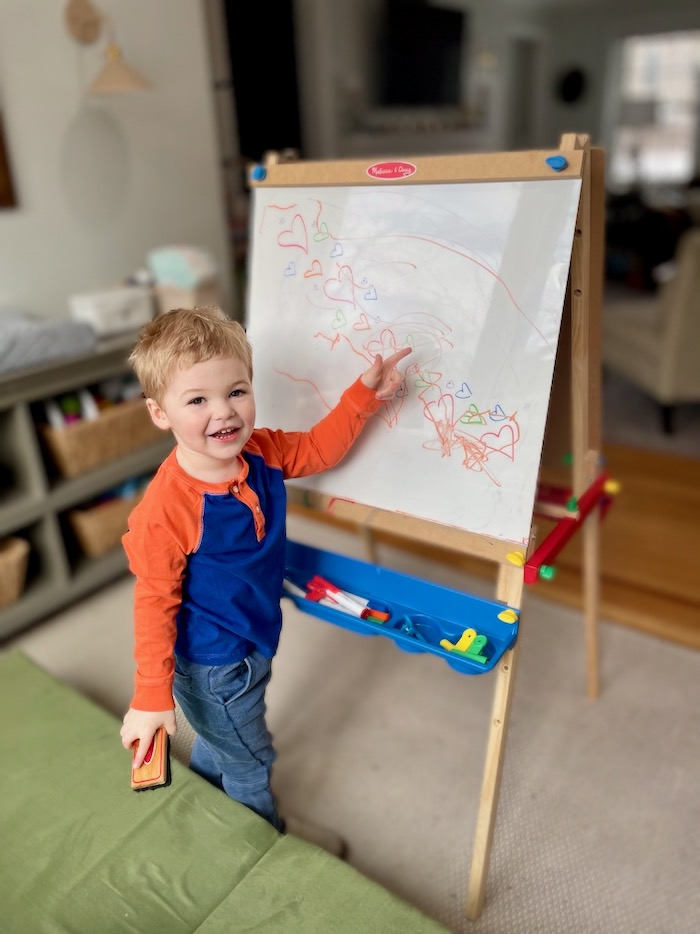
(100, 182)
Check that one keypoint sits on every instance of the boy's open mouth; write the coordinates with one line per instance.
(224, 434)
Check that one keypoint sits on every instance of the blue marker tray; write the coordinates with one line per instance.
(421, 613)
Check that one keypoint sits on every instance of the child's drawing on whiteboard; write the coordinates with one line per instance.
(454, 429)
(472, 278)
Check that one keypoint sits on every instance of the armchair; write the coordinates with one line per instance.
(654, 341)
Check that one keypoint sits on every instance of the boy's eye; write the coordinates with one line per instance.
(237, 392)
(196, 401)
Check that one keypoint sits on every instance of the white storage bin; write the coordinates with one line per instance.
(115, 311)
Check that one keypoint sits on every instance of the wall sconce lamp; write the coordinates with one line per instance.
(84, 23)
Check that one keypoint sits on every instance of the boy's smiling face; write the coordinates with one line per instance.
(210, 408)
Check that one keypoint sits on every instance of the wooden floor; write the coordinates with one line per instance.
(650, 548)
(650, 543)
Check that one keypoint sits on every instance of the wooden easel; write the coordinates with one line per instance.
(573, 435)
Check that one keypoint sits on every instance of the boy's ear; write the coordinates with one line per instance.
(158, 416)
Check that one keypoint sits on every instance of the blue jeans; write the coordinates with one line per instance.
(225, 706)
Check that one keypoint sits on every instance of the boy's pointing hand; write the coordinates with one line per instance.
(383, 376)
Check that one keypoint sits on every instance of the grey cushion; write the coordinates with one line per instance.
(26, 340)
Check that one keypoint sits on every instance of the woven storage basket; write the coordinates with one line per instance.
(14, 557)
(117, 431)
(100, 528)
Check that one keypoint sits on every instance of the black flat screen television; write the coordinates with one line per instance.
(420, 54)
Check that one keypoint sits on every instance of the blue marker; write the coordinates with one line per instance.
(556, 162)
(258, 173)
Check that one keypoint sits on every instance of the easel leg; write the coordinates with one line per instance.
(591, 601)
(509, 589)
(488, 803)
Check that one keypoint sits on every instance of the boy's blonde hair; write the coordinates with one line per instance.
(180, 338)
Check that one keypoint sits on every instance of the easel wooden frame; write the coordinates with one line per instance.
(573, 429)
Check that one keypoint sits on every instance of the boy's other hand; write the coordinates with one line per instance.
(139, 726)
(383, 375)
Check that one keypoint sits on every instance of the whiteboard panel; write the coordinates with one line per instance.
(472, 277)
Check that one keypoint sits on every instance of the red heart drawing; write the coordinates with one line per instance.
(295, 235)
(340, 288)
(363, 323)
(503, 441)
(386, 345)
(315, 270)
(441, 412)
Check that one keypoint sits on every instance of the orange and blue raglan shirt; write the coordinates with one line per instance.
(209, 558)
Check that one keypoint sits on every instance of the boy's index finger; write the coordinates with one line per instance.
(400, 354)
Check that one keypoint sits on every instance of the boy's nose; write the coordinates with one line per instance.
(224, 408)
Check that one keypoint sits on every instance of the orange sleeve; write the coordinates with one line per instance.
(157, 544)
(302, 453)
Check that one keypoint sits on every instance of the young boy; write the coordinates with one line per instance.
(207, 542)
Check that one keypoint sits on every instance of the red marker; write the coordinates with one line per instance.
(358, 606)
(318, 585)
(291, 588)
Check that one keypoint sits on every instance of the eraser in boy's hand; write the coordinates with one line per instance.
(154, 772)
